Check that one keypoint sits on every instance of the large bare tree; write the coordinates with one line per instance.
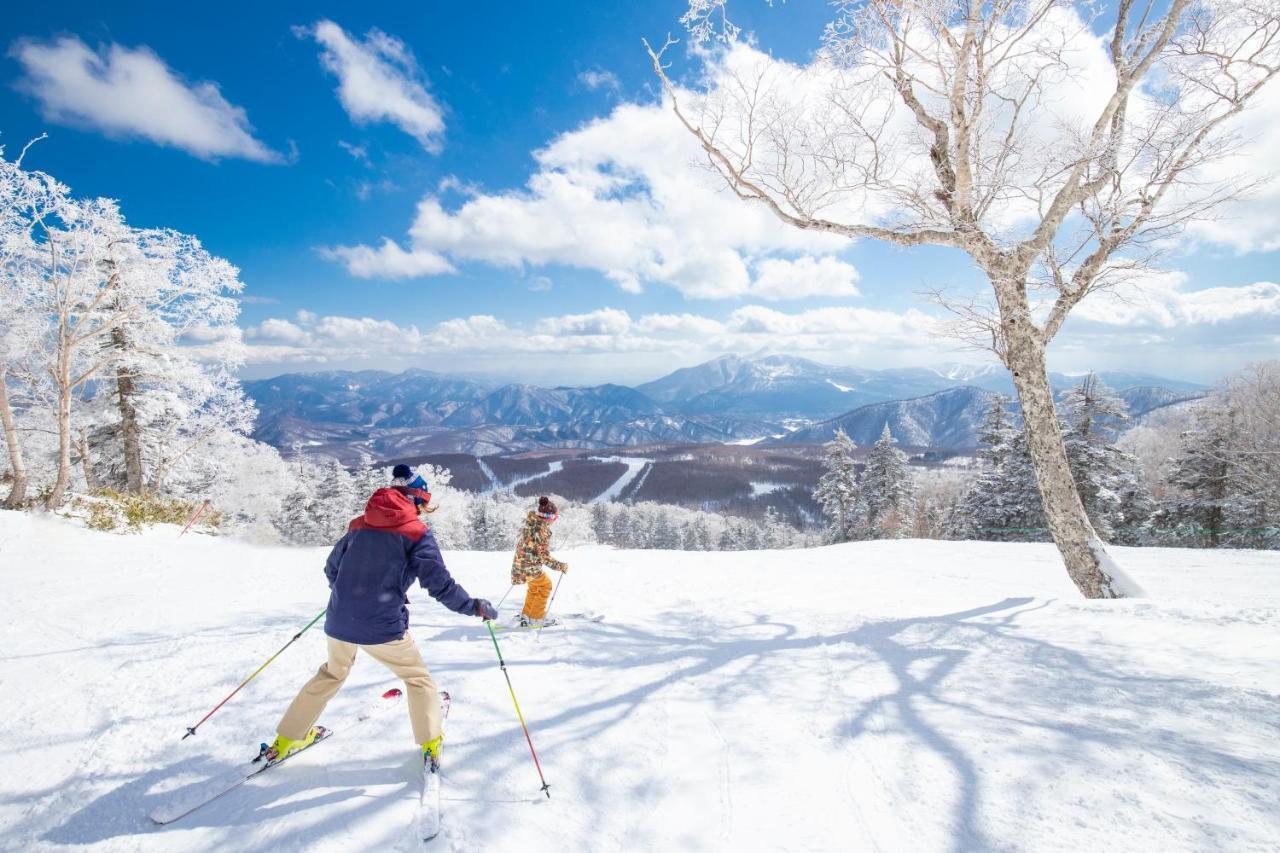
(1061, 145)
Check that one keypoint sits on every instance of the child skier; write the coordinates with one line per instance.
(370, 571)
(532, 553)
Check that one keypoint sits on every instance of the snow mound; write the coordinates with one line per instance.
(907, 695)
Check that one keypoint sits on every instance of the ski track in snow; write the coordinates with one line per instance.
(555, 467)
(893, 696)
(494, 485)
(634, 466)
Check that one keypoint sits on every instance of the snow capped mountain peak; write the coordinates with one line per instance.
(959, 372)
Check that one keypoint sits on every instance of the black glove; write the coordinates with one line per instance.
(485, 610)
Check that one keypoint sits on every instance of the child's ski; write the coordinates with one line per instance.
(553, 621)
(215, 788)
(429, 813)
(584, 616)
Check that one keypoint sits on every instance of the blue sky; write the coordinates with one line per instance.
(297, 177)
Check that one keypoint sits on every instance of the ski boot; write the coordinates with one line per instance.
(431, 753)
(527, 622)
(283, 746)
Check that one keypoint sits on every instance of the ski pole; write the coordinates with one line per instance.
(192, 729)
(194, 518)
(550, 606)
(504, 598)
(546, 789)
(554, 592)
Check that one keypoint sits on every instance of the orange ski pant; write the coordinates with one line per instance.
(535, 600)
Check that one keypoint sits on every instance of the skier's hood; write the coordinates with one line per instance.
(389, 508)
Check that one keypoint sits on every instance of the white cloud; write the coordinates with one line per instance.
(596, 78)
(623, 195)
(359, 153)
(862, 325)
(278, 331)
(825, 333)
(379, 80)
(134, 94)
(778, 278)
(387, 261)
(1160, 300)
(682, 325)
(606, 321)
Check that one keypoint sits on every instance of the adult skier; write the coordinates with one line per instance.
(532, 553)
(370, 571)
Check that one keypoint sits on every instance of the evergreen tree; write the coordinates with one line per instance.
(369, 477)
(600, 525)
(297, 521)
(484, 521)
(622, 532)
(1107, 478)
(887, 490)
(774, 532)
(1003, 502)
(697, 536)
(331, 505)
(665, 535)
(1204, 501)
(837, 491)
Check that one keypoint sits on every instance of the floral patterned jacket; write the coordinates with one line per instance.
(532, 551)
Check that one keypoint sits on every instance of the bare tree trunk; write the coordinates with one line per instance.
(64, 432)
(16, 466)
(1069, 524)
(126, 389)
(90, 481)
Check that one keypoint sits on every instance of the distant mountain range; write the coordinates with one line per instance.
(350, 413)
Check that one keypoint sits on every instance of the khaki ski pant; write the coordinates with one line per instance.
(400, 656)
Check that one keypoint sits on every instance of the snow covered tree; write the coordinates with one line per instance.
(600, 522)
(1003, 501)
(887, 490)
(369, 477)
(1206, 497)
(837, 491)
(665, 534)
(774, 532)
(116, 302)
(1251, 399)
(1107, 477)
(26, 199)
(929, 122)
(296, 522)
(182, 415)
(165, 285)
(247, 487)
(485, 522)
(622, 534)
(333, 499)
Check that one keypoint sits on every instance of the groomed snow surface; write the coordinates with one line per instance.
(914, 696)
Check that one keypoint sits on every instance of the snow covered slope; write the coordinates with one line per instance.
(889, 696)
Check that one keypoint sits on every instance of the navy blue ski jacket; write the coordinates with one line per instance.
(372, 567)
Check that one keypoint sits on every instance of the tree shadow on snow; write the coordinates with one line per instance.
(921, 655)
(287, 792)
(1056, 689)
